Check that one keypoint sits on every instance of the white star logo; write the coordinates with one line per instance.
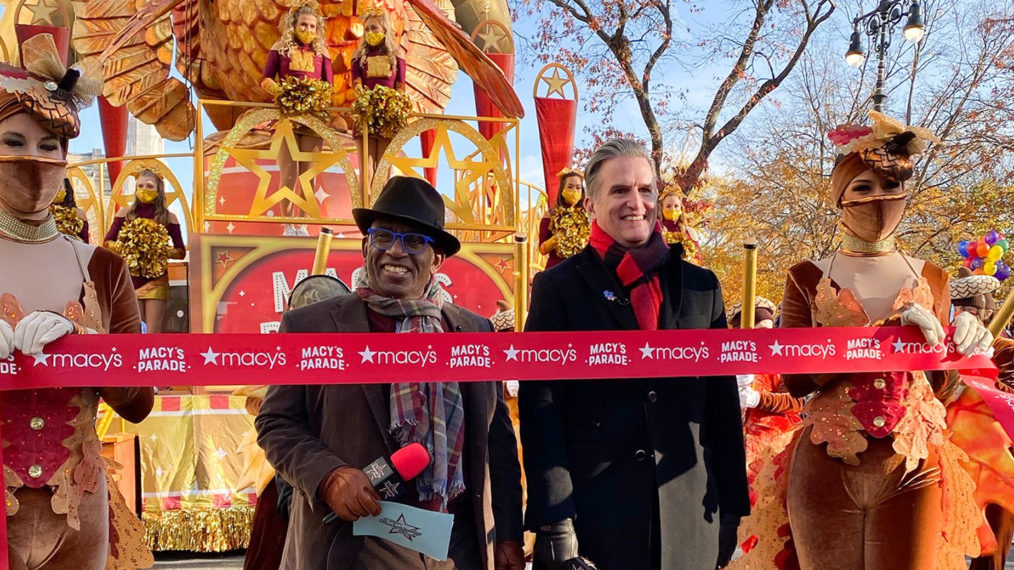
(41, 357)
(210, 357)
(776, 348)
(512, 353)
(898, 345)
(367, 355)
(647, 352)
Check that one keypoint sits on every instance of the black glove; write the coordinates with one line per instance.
(556, 547)
(727, 530)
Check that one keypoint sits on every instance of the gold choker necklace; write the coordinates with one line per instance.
(27, 233)
(852, 245)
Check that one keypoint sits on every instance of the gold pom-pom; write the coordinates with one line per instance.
(300, 96)
(144, 244)
(67, 221)
(571, 228)
(381, 111)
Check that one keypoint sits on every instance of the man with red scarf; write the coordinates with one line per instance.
(631, 473)
(319, 437)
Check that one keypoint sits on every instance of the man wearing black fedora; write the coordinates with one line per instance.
(319, 437)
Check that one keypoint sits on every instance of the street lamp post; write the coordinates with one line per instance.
(879, 24)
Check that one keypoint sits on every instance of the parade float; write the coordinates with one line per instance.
(172, 63)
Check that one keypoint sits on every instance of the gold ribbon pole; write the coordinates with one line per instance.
(323, 251)
(520, 280)
(749, 284)
(1003, 316)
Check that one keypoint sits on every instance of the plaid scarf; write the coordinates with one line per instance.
(637, 269)
(432, 414)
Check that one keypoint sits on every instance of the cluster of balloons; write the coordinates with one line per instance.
(983, 256)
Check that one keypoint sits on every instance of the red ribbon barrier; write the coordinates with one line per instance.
(360, 358)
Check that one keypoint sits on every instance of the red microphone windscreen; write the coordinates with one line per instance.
(410, 460)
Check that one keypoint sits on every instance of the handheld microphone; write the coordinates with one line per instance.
(390, 474)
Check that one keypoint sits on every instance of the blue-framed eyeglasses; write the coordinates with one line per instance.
(411, 243)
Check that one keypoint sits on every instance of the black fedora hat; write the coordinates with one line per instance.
(412, 200)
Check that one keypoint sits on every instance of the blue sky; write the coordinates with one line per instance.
(702, 78)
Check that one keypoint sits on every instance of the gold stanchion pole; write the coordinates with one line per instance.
(1003, 316)
(749, 284)
(520, 280)
(323, 250)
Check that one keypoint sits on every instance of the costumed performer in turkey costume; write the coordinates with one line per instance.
(59, 506)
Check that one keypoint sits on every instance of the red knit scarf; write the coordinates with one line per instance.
(637, 269)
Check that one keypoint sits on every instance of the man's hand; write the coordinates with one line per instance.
(347, 490)
(970, 335)
(556, 546)
(929, 325)
(6, 339)
(727, 541)
(38, 329)
(508, 555)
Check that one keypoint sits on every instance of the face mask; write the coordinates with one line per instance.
(571, 197)
(146, 195)
(30, 183)
(874, 219)
(61, 195)
(671, 214)
(374, 38)
(305, 38)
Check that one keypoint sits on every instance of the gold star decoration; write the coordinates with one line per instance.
(305, 199)
(469, 171)
(556, 83)
(42, 12)
(491, 35)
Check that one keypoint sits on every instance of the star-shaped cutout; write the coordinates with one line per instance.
(210, 357)
(41, 358)
(512, 353)
(556, 83)
(224, 259)
(467, 172)
(776, 349)
(491, 36)
(504, 264)
(647, 352)
(321, 194)
(230, 227)
(242, 293)
(305, 199)
(42, 13)
(221, 200)
(898, 346)
(367, 355)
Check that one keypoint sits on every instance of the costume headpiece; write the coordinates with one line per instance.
(886, 147)
(46, 89)
(570, 172)
(311, 4)
(972, 290)
(758, 303)
(672, 189)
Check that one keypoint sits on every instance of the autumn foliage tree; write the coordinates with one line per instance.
(621, 48)
(777, 185)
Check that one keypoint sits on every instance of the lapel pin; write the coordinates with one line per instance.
(609, 295)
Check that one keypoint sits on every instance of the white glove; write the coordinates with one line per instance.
(744, 380)
(929, 325)
(38, 329)
(970, 335)
(6, 339)
(748, 397)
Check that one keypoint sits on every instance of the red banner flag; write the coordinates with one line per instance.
(557, 119)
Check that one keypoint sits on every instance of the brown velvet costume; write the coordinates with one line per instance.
(885, 513)
(60, 513)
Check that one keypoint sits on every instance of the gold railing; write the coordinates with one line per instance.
(483, 204)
